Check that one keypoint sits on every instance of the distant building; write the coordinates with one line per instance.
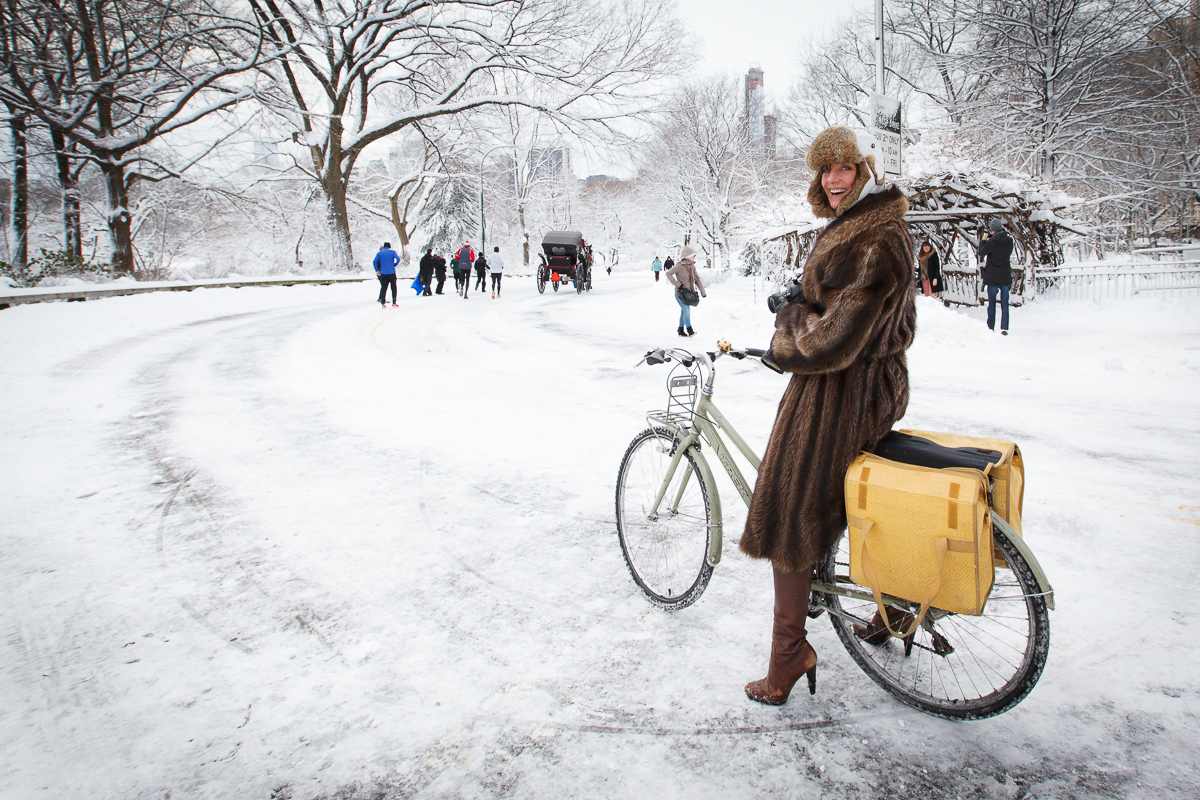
(550, 163)
(553, 162)
(754, 103)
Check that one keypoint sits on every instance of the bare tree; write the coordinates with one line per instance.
(18, 130)
(1055, 81)
(113, 76)
(703, 153)
(585, 58)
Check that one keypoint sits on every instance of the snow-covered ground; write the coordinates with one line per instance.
(280, 543)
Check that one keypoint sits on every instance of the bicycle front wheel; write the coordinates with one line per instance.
(667, 551)
(954, 666)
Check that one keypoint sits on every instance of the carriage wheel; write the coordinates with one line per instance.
(541, 280)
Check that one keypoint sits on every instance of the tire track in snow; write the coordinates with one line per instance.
(183, 602)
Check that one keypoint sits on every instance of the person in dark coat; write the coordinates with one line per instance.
(844, 344)
(385, 269)
(996, 253)
(481, 267)
(670, 262)
(439, 269)
(426, 273)
(929, 270)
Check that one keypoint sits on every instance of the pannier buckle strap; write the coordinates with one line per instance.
(940, 546)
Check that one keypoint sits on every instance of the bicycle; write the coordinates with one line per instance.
(953, 666)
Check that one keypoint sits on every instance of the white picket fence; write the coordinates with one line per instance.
(1139, 279)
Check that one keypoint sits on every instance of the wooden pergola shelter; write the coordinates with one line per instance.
(951, 210)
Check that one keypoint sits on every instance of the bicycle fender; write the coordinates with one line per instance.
(715, 526)
(1044, 587)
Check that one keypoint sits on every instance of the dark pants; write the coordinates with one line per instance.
(991, 291)
(441, 280)
(427, 280)
(496, 276)
(656, 276)
(384, 282)
(480, 280)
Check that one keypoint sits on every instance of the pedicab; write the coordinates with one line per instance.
(565, 256)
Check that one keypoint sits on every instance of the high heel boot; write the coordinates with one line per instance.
(791, 654)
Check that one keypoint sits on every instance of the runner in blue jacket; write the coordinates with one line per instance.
(385, 269)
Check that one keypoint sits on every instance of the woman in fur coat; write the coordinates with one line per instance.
(844, 344)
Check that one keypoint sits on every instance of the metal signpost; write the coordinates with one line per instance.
(885, 111)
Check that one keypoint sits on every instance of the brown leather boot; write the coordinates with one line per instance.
(791, 654)
(877, 633)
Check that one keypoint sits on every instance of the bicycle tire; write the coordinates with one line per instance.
(1004, 649)
(667, 555)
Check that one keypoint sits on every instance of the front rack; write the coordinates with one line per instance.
(682, 385)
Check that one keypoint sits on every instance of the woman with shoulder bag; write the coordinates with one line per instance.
(686, 282)
(844, 344)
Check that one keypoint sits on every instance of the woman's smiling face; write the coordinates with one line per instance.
(836, 181)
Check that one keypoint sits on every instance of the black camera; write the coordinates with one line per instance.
(791, 294)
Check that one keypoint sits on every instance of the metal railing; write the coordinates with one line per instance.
(1098, 282)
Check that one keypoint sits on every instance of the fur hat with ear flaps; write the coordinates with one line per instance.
(839, 145)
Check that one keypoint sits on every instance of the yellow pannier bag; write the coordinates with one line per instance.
(1008, 496)
(920, 534)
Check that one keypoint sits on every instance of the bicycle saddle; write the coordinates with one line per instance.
(908, 449)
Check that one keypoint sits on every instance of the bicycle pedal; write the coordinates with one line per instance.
(941, 646)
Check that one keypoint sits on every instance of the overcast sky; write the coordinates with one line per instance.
(738, 32)
(734, 33)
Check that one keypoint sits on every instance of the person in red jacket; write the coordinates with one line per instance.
(466, 257)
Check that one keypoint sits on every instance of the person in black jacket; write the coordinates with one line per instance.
(439, 269)
(996, 252)
(426, 273)
(481, 266)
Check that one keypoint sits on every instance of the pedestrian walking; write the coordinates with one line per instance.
(481, 268)
(454, 267)
(929, 270)
(385, 269)
(844, 342)
(439, 269)
(466, 257)
(684, 276)
(426, 273)
(496, 265)
(656, 266)
(996, 251)
(670, 262)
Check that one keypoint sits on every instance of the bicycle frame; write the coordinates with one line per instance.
(706, 422)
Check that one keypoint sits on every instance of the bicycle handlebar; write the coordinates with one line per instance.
(662, 355)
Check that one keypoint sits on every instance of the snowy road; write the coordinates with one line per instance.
(280, 543)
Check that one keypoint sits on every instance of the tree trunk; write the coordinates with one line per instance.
(339, 221)
(72, 233)
(401, 226)
(20, 192)
(334, 184)
(118, 216)
(524, 233)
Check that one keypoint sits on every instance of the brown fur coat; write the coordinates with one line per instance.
(846, 346)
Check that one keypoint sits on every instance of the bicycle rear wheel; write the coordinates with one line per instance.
(667, 552)
(954, 666)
